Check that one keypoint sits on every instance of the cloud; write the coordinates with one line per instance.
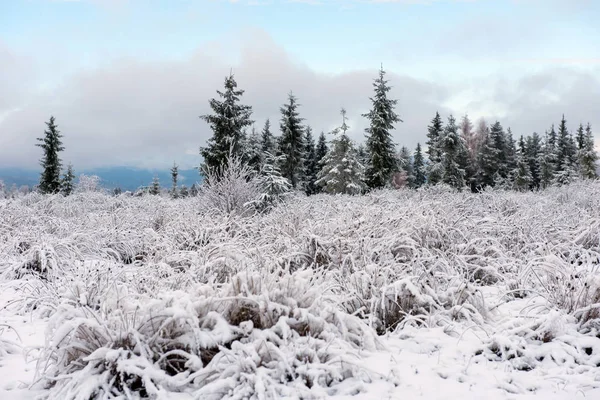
(144, 113)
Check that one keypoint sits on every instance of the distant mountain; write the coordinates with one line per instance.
(126, 178)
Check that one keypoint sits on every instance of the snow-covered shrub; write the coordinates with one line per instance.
(231, 188)
(253, 337)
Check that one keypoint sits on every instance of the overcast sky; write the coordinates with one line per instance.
(127, 79)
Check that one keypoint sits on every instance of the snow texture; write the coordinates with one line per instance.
(397, 294)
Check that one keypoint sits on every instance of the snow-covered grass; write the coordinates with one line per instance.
(488, 295)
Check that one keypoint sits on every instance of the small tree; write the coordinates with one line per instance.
(253, 151)
(51, 143)
(194, 190)
(183, 191)
(155, 187)
(452, 147)
(342, 173)
(522, 173)
(67, 181)
(311, 167)
(419, 167)
(291, 142)
(381, 148)
(174, 176)
(435, 133)
(267, 141)
(588, 156)
(273, 186)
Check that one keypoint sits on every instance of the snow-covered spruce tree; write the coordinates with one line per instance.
(51, 163)
(488, 162)
(522, 173)
(588, 156)
(405, 164)
(381, 148)
(342, 172)
(291, 143)
(471, 141)
(193, 192)
(253, 151)
(533, 145)
(510, 151)
(547, 162)
(184, 191)
(453, 148)
(228, 121)
(321, 149)
(498, 141)
(66, 185)
(155, 187)
(580, 138)
(419, 167)
(267, 141)
(273, 186)
(435, 132)
(565, 148)
(174, 176)
(311, 168)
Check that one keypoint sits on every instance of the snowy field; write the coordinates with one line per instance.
(394, 295)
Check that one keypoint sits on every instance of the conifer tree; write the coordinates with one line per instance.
(547, 162)
(66, 184)
(274, 185)
(488, 161)
(533, 146)
(291, 142)
(51, 143)
(588, 155)
(193, 192)
(267, 141)
(381, 148)
(470, 139)
(321, 149)
(510, 151)
(253, 151)
(522, 173)
(155, 188)
(580, 138)
(405, 164)
(452, 147)
(419, 167)
(228, 120)
(311, 168)
(435, 133)
(564, 170)
(174, 176)
(342, 173)
(183, 191)
(499, 142)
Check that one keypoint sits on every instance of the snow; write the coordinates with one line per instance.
(398, 294)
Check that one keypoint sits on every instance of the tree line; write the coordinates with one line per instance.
(460, 155)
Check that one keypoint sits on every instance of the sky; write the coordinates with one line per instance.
(127, 79)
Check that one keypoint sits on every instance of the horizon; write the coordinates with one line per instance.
(127, 80)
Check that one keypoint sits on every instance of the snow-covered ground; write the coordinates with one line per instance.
(395, 295)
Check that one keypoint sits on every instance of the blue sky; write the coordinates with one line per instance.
(470, 56)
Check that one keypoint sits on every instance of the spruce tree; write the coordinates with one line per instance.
(291, 142)
(533, 148)
(488, 161)
(321, 150)
(228, 120)
(66, 185)
(452, 147)
(274, 186)
(193, 192)
(254, 154)
(435, 133)
(565, 167)
(499, 142)
(342, 173)
(155, 187)
(51, 143)
(522, 173)
(547, 161)
(311, 168)
(405, 164)
(510, 151)
(469, 162)
(174, 176)
(419, 168)
(588, 156)
(267, 141)
(183, 191)
(580, 137)
(381, 148)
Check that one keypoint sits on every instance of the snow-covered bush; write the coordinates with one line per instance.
(231, 188)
